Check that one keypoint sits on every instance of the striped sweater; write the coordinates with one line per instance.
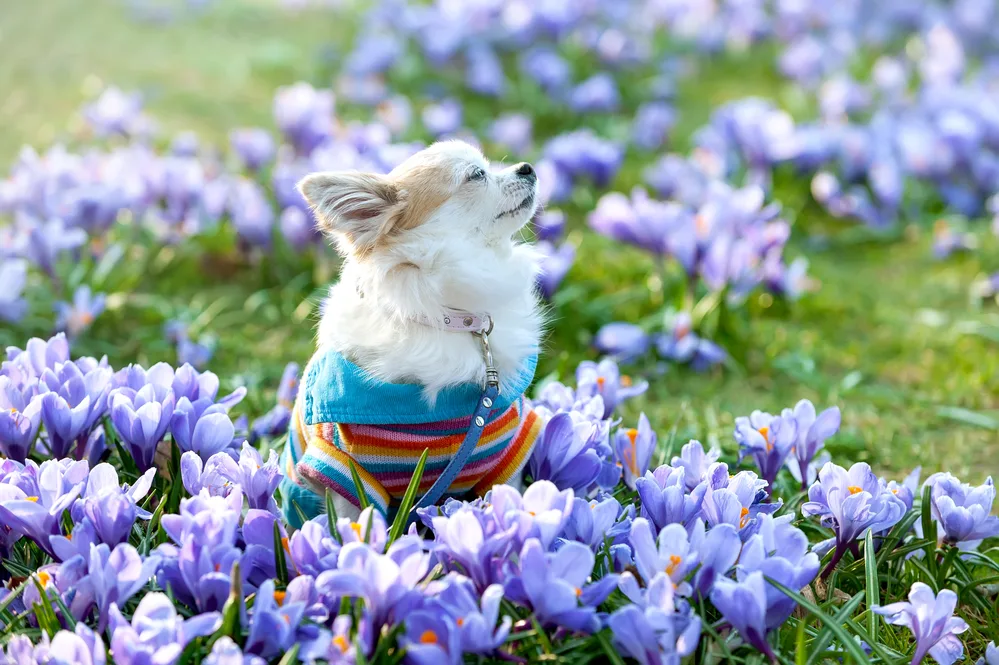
(342, 414)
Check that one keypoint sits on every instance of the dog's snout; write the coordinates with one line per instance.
(525, 170)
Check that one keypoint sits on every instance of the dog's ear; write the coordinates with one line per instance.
(356, 209)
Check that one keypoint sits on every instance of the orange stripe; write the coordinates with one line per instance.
(514, 457)
(388, 447)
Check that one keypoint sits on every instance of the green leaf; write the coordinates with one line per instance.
(291, 656)
(929, 527)
(845, 639)
(822, 640)
(331, 517)
(361, 496)
(612, 655)
(233, 604)
(408, 499)
(302, 517)
(973, 418)
(279, 561)
(873, 586)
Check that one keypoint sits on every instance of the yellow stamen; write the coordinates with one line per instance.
(765, 432)
(674, 563)
(44, 578)
(630, 453)
(854, 489)
(632, 434)
(284, 544)
(579, 592)
(356, 528)
(626, 381)
(742, 517)
(341, 642)
(460, 621)
(279, 597)
(33, 499)
(428, 637)
(600, 382)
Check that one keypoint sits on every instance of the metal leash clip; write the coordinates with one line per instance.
(492, 376)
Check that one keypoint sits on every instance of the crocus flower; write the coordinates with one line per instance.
(849, 503)
(115, 112)
(962, 511)
(312, 549)
(596, 94)
(76, 400)
(565, 454)
(39, 355)
(593, 522)
(253, 145)
(141, 419)
(304, 115)
(258, 479)
(813, 430)
(991, 656)
(744, 606)
(227, 652)
(541, 512)
(768, 439)
(655, 628)
(475, 616)
(276, 625)
(555, 264)
(605, 379)
(82, 646)
(512, 130)
(52, 239)
(633, 448)
(484, 72)
(20, 416)
(201, 427)
(39, 516)
(442, 118)
(197, 475)
(549, 225)
(932, 622)
(697, 464)
(13, 275)
(653, 121)
(111, 577)
(670, 552)
(472, 542)
(111, 508)
(275, 422)
(680, 344)
(623, 341)
(75, 317)
(737, 500)
(666, 498)
(431, 639)
(718, 549)
(156, 633)
(555, 585)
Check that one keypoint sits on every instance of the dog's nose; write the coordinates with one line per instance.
(525, 170)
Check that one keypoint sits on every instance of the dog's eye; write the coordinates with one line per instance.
(477, 174)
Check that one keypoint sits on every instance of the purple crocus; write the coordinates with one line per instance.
(768, 439)
(141, 419)
(605, 379)
(653, 122)
(932, 622)
(20, 416)
(542, 512)
(304, 115)
(633, 448)
(555, 263)
(227, 652)
(850, 503)
(554, 585)
(275, 625)
(115, 112)
(593, 522)
(565, 454)
(443, 117)
(624, 341)
(39, 355)
(111, 508)
(666, 498)
(254, 146)
(718, 549)
(39, 515)
(156, 633)
(513, 131)
(697, 464)
(669, 552)
(813, 430)
(472, 542)
(431, 638)
(963, 512)
(13, 275)
(275, 422)
(682, 345)
(258, 479)
(596, 94)
(744, 606)
(655, 628)
(312, 549)
(73, 405)
(112, 576)
(475, 615)
(201, 427)
(75, 317)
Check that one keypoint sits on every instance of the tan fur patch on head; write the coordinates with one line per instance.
(425, 186)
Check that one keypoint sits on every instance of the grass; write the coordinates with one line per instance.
(891, 337)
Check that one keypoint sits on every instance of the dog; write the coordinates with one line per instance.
(434, 240)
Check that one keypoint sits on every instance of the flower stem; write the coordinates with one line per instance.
(837, 555)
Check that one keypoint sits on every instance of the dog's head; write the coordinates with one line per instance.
(446, 191)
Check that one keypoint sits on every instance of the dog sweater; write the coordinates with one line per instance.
(342, 414)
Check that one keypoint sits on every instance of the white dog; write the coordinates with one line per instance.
(432, 240)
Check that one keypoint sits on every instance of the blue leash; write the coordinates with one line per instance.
(479, 419)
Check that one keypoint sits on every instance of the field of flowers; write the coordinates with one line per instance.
(770, 253)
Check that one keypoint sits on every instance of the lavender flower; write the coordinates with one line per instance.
(431, 639)
(20, 416)
(75, 317)
(565, 454)
(475, 617)
(554, 585)
(769, 439)
(141, 419)
(623, 341)
(744, 606)
(304, 115)
(932, 622)
(850, 503)
(275, 625)
(75, 401)
(596, 94)
(665, 497)
(13, 275)
(605, 379)
(812, 434)
(634, 448)
(963, 511)
(156, 633)
(254, 146)
(670, 552)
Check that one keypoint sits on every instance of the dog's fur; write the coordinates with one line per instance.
(438, 231)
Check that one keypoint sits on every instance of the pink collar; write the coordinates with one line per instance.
(458, 320)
